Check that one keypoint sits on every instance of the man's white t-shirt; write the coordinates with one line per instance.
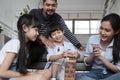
(12, 46)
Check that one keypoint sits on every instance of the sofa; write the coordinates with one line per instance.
(80, 67)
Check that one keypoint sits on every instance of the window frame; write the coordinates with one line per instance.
(95, 31)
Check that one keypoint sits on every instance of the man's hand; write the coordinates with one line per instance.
(82, 48)
(76, 55)
(46, 41)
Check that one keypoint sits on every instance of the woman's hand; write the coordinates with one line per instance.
(96, 51)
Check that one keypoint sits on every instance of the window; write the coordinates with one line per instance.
(83, 26)
(94, 24)
(69, 23)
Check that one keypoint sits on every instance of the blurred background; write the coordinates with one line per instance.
(82, 16)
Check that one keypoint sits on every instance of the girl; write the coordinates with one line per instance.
(102, 51)
(14, 54)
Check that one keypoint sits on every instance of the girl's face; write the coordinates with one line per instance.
(31, 33)
(57, 36)
(106, 31)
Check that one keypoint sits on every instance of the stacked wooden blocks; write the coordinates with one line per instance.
(70, 69)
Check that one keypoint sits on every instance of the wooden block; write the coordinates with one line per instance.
(70, 68)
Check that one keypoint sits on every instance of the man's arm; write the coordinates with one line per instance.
(42, 30)
(69, 35)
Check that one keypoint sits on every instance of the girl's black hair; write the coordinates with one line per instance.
(114, 20)
(54, 26)
(22, 56)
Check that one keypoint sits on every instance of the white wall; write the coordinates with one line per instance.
(11, 8)
(81, 9)
(112, 7)
(1, 40)
(116, 7)
(8, 10)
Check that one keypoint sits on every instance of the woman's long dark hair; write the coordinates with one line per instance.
(114, 20)
(29, 21)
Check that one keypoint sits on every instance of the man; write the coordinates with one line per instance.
(47, 15)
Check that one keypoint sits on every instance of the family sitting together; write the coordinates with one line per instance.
(102, 52)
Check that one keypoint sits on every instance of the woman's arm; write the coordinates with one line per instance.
(89, 60)
(109, 65)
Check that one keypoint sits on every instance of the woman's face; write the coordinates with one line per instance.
(31, 33)
(106, 31)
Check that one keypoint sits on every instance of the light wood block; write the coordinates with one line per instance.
(70, 69)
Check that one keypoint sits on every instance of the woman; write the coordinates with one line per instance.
(102, 52)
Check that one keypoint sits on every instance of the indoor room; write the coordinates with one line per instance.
(81, 17)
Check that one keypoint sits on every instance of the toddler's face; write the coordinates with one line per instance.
(57, 36)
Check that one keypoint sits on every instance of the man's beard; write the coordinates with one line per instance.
(48, 12)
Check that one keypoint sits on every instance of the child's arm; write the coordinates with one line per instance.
(4, 67)
(56, 57)
(72, 55)
(63, 55)
(5, 72)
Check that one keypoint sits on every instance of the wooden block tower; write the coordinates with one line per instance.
(70, 69)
